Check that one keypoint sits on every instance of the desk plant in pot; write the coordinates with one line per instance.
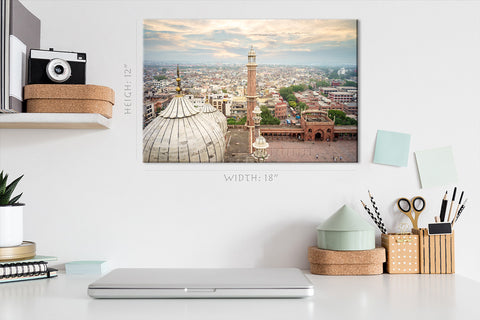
(11, 213)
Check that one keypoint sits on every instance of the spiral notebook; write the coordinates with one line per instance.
(35, 268)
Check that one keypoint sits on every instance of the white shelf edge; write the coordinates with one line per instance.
(53, 121)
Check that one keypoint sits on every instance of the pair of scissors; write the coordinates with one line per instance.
(417, 205)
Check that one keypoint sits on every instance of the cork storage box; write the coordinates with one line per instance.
(69, 98)
(437, 252)
(341, 263)
(402, 252)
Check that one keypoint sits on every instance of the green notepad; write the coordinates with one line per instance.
(392, 148)
(436, 167)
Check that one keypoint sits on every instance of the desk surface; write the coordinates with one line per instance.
(366, 297)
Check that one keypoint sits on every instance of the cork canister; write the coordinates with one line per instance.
(357, 262)
(402, 252)
(69, 98)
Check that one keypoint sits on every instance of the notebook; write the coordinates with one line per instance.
(202, 283)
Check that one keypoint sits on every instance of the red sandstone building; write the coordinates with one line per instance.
(281, 110)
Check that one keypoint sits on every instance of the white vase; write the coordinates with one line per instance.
(11, 226)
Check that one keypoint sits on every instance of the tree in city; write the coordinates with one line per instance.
(302, 106)
(291, 97)
(267, 117)
(284, 92)
(292, 104)
(349, 83)
(158, 78)
(232, 121)
(323, 83)
(341, 118)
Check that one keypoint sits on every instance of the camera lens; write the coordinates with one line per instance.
(59, 69)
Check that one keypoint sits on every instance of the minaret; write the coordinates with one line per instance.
(251, 86)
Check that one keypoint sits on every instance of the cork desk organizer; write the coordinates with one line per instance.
(437, 252)
(402, 252)
(69, 98)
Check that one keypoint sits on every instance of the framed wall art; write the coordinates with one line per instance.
(250, 91)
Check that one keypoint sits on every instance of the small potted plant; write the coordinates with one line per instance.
(11, 213)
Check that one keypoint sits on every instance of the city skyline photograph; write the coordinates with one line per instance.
(285, 42)
(250, 91)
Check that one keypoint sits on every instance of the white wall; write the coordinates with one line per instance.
(89, 196)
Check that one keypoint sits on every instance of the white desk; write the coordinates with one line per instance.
(368, 297)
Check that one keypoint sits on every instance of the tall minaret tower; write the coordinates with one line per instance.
(251, 86)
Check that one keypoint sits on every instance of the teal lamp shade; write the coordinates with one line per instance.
(345, 230)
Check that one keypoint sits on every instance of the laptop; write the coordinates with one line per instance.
(202, 283)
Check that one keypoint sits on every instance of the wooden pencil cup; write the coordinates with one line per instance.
(437, 252)
(402, 252)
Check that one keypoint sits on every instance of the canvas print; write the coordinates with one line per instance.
(250, 91)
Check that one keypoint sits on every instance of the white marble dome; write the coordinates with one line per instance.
(182, 133)
(216, 116)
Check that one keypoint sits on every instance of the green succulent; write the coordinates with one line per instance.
(6, 191)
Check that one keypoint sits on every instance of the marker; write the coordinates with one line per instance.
(451, 204)
(444, 207)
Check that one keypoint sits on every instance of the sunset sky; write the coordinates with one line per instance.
(308, 42)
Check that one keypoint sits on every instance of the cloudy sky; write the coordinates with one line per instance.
(308, 42)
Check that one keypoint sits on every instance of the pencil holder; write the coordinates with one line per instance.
(402, 252)
(437, 252)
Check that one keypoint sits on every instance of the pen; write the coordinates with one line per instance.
(444, 207)
(451, 204)
(459, 212)
(458, 207)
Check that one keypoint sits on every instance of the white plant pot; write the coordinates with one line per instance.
(11, 226)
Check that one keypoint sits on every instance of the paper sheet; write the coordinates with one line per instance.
(392, 148)
(18, 62)
(436, 167)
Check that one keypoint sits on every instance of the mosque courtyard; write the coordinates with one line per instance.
(290, 150)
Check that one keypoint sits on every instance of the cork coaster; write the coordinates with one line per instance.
(69, 98)
(346, 269)
(365, 257)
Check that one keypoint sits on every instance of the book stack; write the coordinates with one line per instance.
(21, 270)
(19, 32)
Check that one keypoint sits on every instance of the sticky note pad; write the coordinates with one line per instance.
(436, 167)
(85, 267)
(392, 148)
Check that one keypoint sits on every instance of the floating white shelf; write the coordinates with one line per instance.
(54, 121)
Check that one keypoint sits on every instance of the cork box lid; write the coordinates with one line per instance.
(69, 91)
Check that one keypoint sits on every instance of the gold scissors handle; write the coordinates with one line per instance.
(417, 205)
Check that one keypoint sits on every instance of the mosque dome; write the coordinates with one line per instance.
(216, 116)
(182, 133)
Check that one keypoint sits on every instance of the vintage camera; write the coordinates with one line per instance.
(49, 66)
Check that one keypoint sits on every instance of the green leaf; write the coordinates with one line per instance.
(3, 183)
(11, 188)
(15, 199)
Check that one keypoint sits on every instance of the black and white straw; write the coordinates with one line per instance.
(375, 220)
(379, 218)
